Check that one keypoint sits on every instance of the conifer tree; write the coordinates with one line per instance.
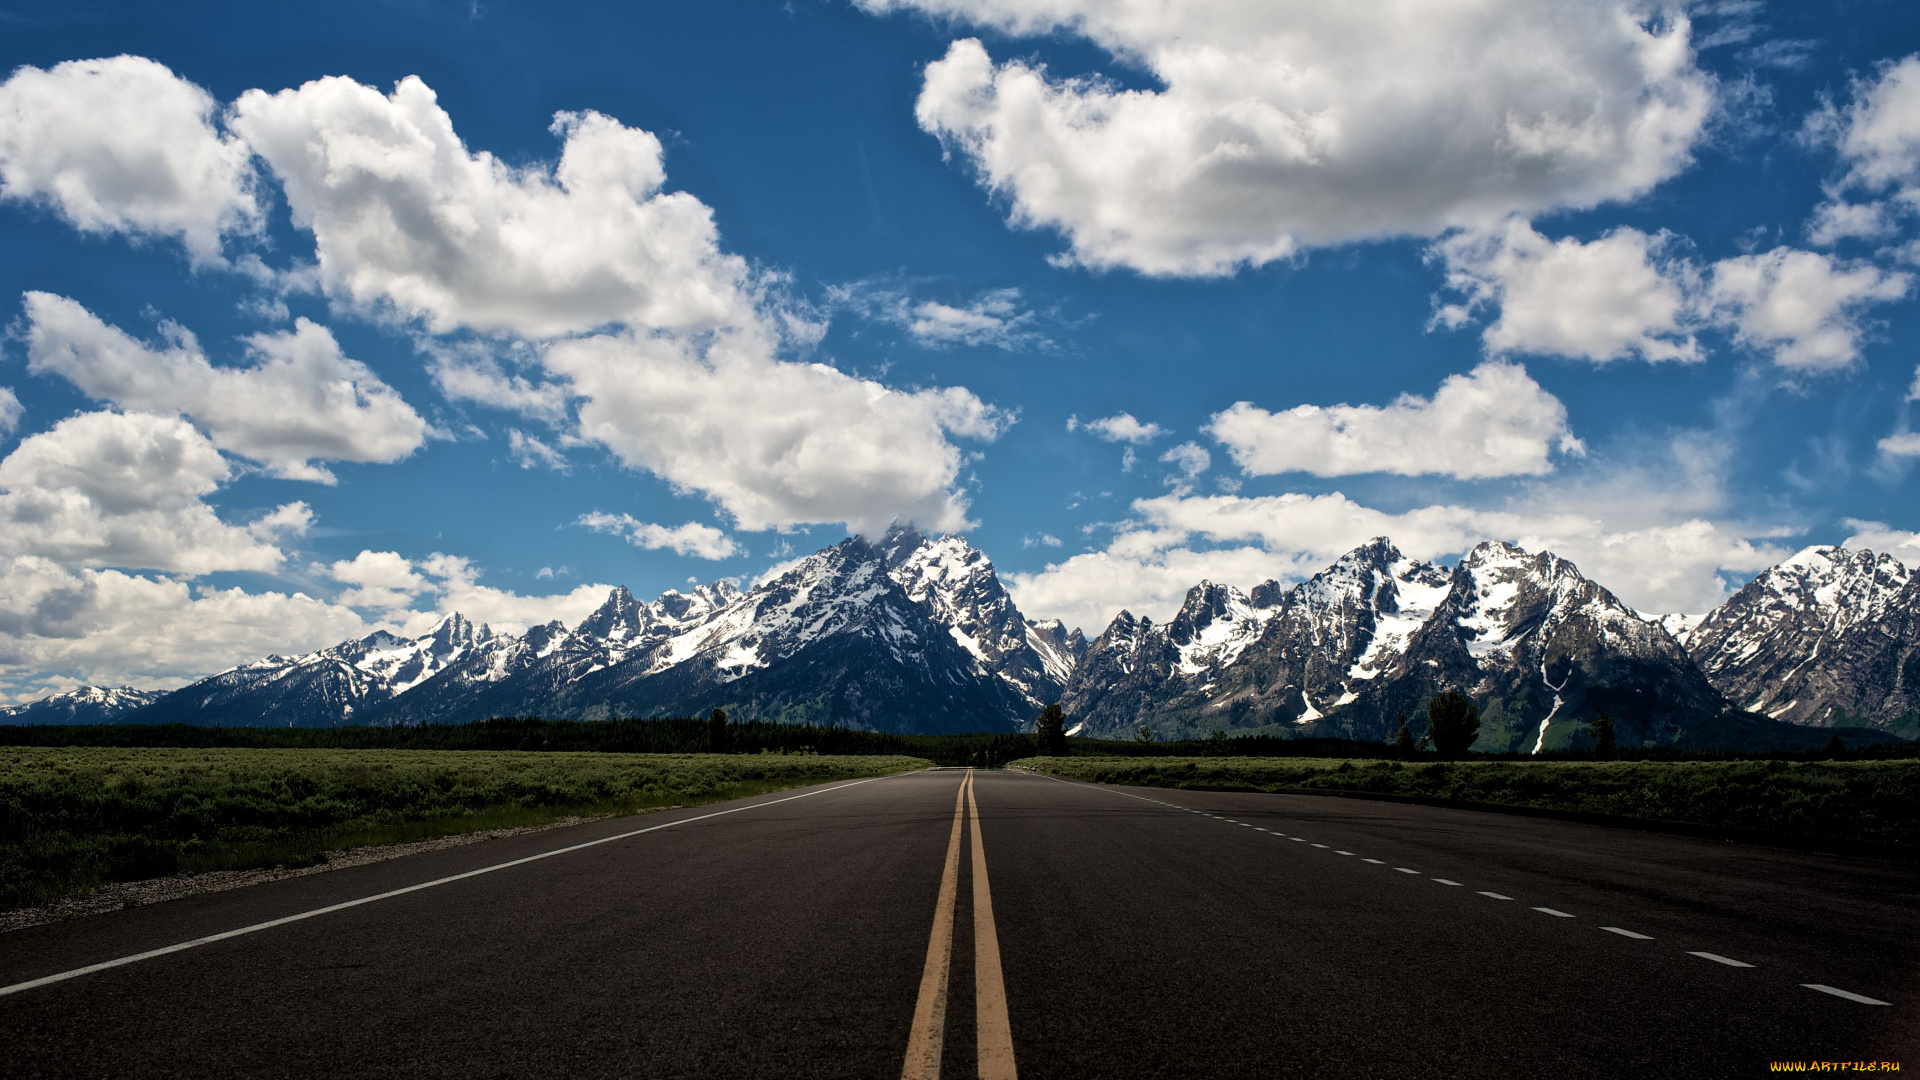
(718, 740)
(1453, 721)
(1052, 729)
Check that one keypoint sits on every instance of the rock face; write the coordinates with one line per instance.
(336, 685)
(1370, 639)
(1828, 637)
(907, 634)
(85, 705)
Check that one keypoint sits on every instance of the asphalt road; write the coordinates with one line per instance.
(1139, 933)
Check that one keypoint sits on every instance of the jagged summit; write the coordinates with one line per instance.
(1827, 637)
(917, 632)
(81, 705)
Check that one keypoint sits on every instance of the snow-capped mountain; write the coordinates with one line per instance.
(1828, 637)
(911, 633)
(83, 705)
(336, 685)
(1373, 637)
(905, 634)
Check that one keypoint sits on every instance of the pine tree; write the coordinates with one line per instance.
(1403, 739)
(718, 738)
(1052, 729)
(1603, 738)
(1453, 721)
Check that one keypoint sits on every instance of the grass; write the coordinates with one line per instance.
(74, 818)
(1875, 802)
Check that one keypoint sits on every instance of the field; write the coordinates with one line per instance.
(73, 818)
(1876, 802)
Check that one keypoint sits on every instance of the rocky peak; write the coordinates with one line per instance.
(621, 617)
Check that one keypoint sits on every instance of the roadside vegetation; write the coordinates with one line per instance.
(75, 817)
(531, 733)
(1872, 802)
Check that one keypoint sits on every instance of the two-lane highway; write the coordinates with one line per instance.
(1010, 924)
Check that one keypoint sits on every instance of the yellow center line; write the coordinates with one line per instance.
(993, 1036)
(930, 1012)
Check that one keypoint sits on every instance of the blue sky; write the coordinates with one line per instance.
(313, 328)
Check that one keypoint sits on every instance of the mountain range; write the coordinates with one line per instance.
(909, 633)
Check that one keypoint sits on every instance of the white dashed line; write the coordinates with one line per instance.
(1298, 839)
(1839, 993)
(1404, 870)
(1494, 895)
(1717, 958)
(1551, 911)
(1444, 881)
(1376, 862)
(1244, 825)
(1626, 933)
(1338, 852)
(1322, 847)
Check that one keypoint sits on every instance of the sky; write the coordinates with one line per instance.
(320, 321)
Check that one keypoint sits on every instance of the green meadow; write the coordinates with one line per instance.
(76, 817)
(1875, 802)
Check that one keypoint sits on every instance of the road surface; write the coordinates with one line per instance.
(959, 924)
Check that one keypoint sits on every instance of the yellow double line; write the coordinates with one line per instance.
(993, 1037)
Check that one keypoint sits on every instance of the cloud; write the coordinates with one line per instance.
(1877, 138)
(10, 411)
(1120, 427)
(1494, 421)
(1628, 295)
(1189, 460)
(993, 318)
(1177, 540)
(693, 538)
(684, 379)
(1803, 307)
(124, 145)
(111, 628)
(1881, 537)
(455, 586)
(469, 371)
(406, 218)
(126, 490)
(299, 400)
(531, 453)
(382, 580)
(1284, 127)
(774, 443)
(1620, 296)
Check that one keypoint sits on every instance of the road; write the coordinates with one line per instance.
(882, 929)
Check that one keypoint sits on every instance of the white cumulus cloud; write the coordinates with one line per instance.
(299, 400)
(692, 538)
(1493, 421)
(775, 443)
(1805, 308)
(111, 628)
(1628, 294)
(404, 215)
(1120, 427)
(1290, 125)
(1877, 136)
(1622, 295)
(127, 490)
(124, 145)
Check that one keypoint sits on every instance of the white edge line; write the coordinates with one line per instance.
(1839, 993)
(1718, 959)
(63, 976)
